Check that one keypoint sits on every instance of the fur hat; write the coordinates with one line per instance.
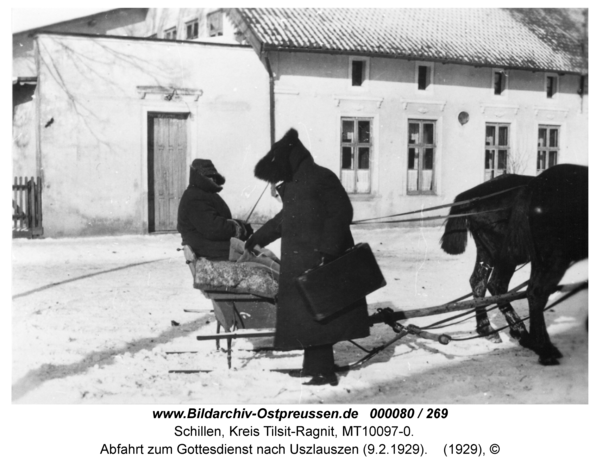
(206, 168)
(277, 165)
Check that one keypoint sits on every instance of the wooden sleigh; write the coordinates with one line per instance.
(237, 312)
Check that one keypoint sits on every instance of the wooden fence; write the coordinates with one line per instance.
(27, 207)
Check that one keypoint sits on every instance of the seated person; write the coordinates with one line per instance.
(204, 219)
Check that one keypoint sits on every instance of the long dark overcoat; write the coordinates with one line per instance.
(204, 219)
(315, 219)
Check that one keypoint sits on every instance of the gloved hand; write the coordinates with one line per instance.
(247, 229)
(251, 242)
(242, 229)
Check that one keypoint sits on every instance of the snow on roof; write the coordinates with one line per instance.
(514, 38)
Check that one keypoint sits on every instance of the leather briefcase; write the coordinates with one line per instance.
(335, 286)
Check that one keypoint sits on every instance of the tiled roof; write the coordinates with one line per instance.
(515, 38)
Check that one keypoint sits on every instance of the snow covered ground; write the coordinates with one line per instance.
(95, 321)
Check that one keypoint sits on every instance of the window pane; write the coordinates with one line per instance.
(413, 158)
(364, 131)
(541, 160)
(363, 158)
(498, 82)
(489, 159)
(358, 72)
(503, 136)
(426, 180)
(363, 181)
(423, 77)
(347, 158)
(542, 134)
(413, 133)
(428, 133)
(502, 159)
(349, 180)
(428, 159)
(550, 80)
(554, 138)
(347, 131)
(490, 135)
(553, 158)
(413, 180)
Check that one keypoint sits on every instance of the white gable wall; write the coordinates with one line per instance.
(93, 125)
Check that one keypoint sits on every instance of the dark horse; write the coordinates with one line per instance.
(550, 222)
(492, 206)
(546, 223)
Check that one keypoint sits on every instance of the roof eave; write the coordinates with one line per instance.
(409, 57)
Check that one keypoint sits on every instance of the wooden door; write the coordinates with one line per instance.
(167, 168)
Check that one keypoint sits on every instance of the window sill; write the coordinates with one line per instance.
(421, 193)
(363, 197)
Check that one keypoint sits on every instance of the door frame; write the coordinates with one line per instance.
(150, 162)
(157, 106)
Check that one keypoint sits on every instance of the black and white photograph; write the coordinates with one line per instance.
(300, 206)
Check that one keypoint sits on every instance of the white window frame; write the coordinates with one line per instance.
(170, 31)
(548, 148)
(505, 75)
(356, 145)
(494, 171)
(430, 66)
(366, 73)
(556, 85)
(421, 145)
(216, 13)
(191, 23)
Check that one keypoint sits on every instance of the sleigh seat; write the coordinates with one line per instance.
(243, 296)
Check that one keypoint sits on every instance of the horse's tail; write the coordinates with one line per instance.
(454, 239)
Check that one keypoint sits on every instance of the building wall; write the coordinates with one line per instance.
(93, 125)
(131, 22)
(160, 20)
(24, 136)
(118, 22)
(313, 92)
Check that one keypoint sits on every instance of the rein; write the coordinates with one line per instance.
(468, 201)
(437, 217)
(428, 209)
(256, 203)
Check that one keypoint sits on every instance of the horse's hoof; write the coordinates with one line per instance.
(519, 335)
(525, 341)
(554, 352)
(494, 338)
(548, 361)
(489, 334)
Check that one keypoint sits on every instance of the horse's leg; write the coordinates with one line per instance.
(478, 281)
(498, 284)
(542, 283)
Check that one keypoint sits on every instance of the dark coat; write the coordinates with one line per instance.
(315, 220)
(204, 219)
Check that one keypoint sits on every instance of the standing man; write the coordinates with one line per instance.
(203, 218)
(314, 227)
